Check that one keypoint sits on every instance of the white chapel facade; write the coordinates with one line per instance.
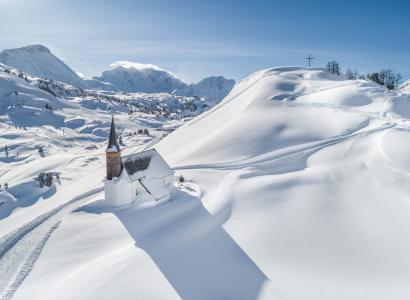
(136, 178)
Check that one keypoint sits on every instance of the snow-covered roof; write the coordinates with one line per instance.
(148, 164)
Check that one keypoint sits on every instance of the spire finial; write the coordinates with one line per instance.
(113, 141)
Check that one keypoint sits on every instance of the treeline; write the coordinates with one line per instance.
(387, 78)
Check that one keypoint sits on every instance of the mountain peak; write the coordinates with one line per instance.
(37, 60)
(136, 77)
(30, 48)
(137, 66)
(37, 47)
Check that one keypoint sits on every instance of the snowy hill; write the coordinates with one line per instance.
(263, 116)
(15, 91)
(38, 61)
(308, 173)
(296, 187)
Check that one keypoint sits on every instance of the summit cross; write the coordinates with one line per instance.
(310, 58)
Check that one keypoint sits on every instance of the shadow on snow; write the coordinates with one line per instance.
(193, 251)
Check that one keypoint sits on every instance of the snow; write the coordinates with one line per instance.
(37, 60)
(214, 87)
(157, 168)
(81, 75)
(140, 183)
(124, 76)
(136, 66)
(297, 187)
(322, 209)
(251, 114)
(132, 77)
(96, 260)
(405, 86)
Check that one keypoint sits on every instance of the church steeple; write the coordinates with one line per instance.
(113, 141)
(113, 154)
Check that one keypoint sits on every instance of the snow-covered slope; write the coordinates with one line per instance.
(16, 92)
(405, 87)
(309, 174)
(38, 61)
(73, 137)
(214, 87)
(296, 187)
(261, 115)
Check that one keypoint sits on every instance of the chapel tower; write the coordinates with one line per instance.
(113, 154)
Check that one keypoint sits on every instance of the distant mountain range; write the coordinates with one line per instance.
(128, 77)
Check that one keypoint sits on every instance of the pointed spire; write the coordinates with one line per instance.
(113, 141)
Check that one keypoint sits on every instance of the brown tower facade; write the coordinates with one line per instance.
(113, 154)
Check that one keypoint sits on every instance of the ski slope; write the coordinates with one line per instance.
(297, 187)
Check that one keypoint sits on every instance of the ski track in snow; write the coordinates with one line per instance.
(19, 250)
(280, 154)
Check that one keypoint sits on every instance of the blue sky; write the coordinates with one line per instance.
(195, 39)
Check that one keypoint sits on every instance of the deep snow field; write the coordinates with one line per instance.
(297, 188)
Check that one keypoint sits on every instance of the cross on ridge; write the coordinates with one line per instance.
(309, 58)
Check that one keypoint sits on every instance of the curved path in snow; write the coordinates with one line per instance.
(20, 249)
(286, 152)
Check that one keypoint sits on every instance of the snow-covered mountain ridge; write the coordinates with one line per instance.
(164, 106)
(125, 76)
(37, 60)
(133, 77)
